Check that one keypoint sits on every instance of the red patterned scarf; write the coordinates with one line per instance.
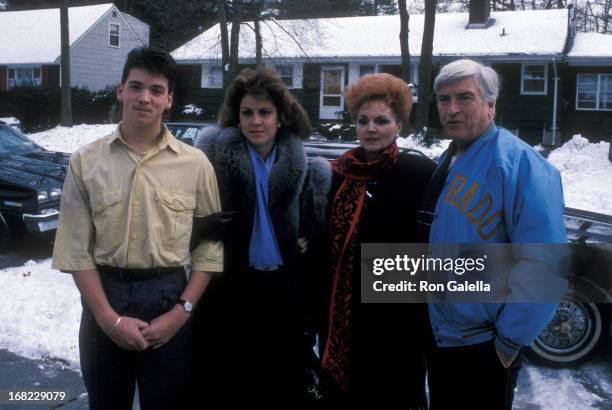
(344, 225)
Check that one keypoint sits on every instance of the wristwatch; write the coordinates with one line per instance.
(187, 305)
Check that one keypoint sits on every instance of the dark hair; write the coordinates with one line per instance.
(155, 60)
(383, 87)
(264, 83)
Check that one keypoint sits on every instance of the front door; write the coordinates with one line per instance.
(331, 104)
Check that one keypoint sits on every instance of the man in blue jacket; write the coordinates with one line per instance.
(490, 187)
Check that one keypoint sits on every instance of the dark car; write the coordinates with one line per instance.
(31, 180)
(187, 131)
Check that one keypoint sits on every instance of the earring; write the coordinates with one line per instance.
(279, 124)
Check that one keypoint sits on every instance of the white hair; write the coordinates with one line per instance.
(486, 78)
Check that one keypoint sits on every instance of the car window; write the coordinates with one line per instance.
(11, 142)
(190, 133)
(177, 132)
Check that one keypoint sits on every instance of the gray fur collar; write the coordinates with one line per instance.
(227, 147)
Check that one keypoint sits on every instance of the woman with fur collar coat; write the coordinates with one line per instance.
(250, 324)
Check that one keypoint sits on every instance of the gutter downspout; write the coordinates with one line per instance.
(554, 118)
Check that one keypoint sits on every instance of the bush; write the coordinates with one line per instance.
(336, 131)
(38, 108)
(426, 136)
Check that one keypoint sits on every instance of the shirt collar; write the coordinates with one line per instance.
(166, 140)
(485, 136)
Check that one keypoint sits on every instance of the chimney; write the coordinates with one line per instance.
(480, 13)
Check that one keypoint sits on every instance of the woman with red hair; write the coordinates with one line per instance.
(374, 351)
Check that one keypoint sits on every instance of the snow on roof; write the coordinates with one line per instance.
(541, 32)
(33, 36)
(592, 45)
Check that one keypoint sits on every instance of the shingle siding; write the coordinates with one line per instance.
(141, 29)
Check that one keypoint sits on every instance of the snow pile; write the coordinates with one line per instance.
(192, 109)
(567, 392)
(9, 120)
(40, 310)
(586, 173)
(432, 152)
(69, 139)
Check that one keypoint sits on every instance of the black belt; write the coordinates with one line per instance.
(139, 274)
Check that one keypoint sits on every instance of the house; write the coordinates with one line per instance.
(588, 102)
(319, 58)
(100, 38)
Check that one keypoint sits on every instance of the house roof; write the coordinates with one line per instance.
(514, 34)
(591, 48)
(33, 36)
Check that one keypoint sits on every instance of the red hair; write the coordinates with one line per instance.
(382, 87)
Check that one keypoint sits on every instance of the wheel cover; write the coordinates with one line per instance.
(567, 329)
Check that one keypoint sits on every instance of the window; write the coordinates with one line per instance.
(534, 79)
(394, 69)
(594, 92)
(24, 76)
(215, 78)
(367, 69)
(286, 74)
(114, 30)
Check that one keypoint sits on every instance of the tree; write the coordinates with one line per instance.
(234, 39)
(404, 46)
(596, 15)
(66, 104)
(224, 39)
(403, 38)
(425, 65)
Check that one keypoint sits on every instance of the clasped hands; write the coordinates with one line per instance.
(134, 334)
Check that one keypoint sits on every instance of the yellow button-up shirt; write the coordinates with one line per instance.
(123, 209)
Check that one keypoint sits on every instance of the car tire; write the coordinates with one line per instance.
(573, 335)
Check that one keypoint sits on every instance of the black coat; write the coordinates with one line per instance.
(387, 339)
(251, 321)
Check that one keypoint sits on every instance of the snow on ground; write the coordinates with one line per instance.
(68, 139)
(586, 173)
(432, 152)
(40, 310)
(567, 392)
(9, 120)
(192, 109)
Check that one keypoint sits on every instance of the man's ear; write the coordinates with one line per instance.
(120, 89)
(491, 109)
(169, 101)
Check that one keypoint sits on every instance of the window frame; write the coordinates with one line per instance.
(290, 66)
(414, 75)
(598, 91)
(111, 35)
(545, 79)
(14, 69)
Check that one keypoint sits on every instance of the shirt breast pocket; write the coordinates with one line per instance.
(176, 216)
(106, 216)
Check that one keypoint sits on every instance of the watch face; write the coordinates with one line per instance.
(188, 306)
